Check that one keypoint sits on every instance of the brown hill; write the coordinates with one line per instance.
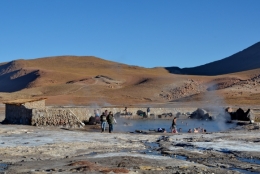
(86, 80)
(245, 60)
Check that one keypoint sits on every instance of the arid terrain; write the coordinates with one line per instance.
(46, 150)
(87, 80)
(91, 81)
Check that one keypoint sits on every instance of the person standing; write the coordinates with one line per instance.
(125, 111)
(110, 120)
(96, 114)
(148, 111)
(103, 121)
(174, 127)
(106, 113)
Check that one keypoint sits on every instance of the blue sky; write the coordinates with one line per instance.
(146, 33)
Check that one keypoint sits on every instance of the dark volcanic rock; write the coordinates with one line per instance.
(241, 115)
(200, 114)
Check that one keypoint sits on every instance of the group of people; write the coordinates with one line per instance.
(106, 117)
(195, 130)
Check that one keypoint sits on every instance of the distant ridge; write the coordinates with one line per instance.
(244, 60)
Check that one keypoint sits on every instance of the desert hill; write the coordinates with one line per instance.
(247, 59)
(88, 80)
(64, 69)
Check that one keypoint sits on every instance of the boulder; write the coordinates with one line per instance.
(229, 109)
(200, 114)
(178, 114)
(141, 113)
(92, 120)
(241, 115)
(251, 116)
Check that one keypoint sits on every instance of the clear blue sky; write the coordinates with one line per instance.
(147, 33)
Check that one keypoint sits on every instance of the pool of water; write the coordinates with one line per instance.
(243, 171)
(179, 157)
(128, 125)
(3, 167)
(250, 160)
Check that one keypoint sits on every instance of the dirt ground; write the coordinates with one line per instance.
(35, 150)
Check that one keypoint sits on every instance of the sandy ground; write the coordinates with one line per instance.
(29, 149)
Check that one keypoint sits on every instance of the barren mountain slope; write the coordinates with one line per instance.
(241, 88)
(68, 80)
(71, 76)
(62, 69)
(244, 60)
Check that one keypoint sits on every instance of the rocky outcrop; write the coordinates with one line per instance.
(241, 115)
(190, 87)
(94, 120)
(201, 114)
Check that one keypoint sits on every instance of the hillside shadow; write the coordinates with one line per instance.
(174, 70)
(6, 67)
(11, 85)
(142, 81)
(247, 59)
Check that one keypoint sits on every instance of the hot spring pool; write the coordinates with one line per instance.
(129, 125)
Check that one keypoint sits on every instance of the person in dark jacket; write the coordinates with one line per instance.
(110, 120)
(148, 111)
